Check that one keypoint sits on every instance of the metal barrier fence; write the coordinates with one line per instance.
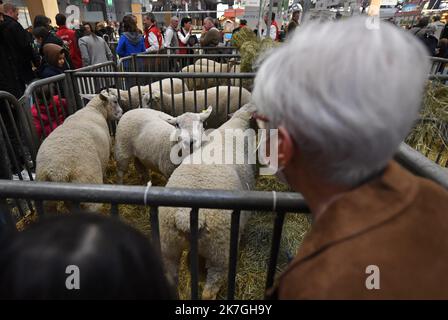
(180, 91)
(438, 66)
(204, 50)
(155, 197)
(18, 148)
(48, 101)
(279, 204)
(176, 62)
(89, 86)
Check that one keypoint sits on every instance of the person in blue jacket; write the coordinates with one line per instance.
(131, 41)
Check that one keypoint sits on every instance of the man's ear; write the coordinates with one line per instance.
(286, 147)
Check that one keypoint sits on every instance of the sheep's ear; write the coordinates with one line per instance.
(171, 121)
(103, 96)
(205, 114)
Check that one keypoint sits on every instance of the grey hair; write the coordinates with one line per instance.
(209, 19)
(347, 94)
(173, 18)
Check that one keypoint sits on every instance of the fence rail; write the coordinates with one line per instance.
(155, 197)
(176, 62)
(438, 66)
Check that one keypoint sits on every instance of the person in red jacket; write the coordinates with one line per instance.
(153, 36)
(69, 37)
(48, 111)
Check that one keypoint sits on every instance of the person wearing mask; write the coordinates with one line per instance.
(274, 31)
(152, 34)
(131, 41)
(378, 232)
(171, 39)
(94, 49)
(19, 45)
(70, 40)
(113, 260)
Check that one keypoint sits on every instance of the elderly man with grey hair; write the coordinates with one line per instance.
(171, 39)
(210, 36)
(378, 231)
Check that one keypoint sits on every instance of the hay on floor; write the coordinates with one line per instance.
(430, 134)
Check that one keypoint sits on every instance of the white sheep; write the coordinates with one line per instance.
(224, 99)
(78, 151)
(146, 136)
(214, 224)
(178, 86)
(209, 66)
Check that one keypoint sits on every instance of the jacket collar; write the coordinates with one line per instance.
(360, 210)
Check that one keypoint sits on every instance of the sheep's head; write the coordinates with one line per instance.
(114, 111)
(190, 127)
(152, 101)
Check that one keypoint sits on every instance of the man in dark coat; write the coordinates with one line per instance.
(18, 41)
(9, 79)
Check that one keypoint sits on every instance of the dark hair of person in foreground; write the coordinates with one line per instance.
(115, 261)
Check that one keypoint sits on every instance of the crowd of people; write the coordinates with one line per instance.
(338, 132)
(29, 55)
(43, 51)
(434, 34)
